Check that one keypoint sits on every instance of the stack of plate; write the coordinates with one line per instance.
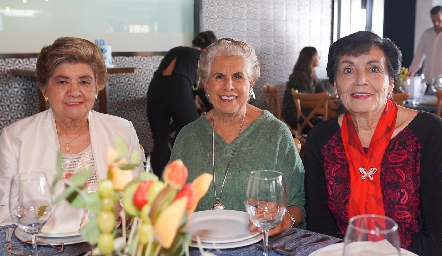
(51, 238)
(221, 229)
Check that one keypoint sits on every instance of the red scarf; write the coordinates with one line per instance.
(365, 168)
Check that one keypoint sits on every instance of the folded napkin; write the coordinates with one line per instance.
(65, 219)
(358, 248)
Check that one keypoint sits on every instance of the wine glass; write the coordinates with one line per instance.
(266, 201)
(371, 234)
(30, 203)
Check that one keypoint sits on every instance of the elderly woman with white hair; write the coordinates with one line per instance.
(235, 137)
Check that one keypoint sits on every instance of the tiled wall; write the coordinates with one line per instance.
(277, 29)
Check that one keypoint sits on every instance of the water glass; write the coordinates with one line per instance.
(373, 235)
(266, 201)
(30, 203)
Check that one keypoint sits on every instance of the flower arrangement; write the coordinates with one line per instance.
(157, 209)
(402, 81)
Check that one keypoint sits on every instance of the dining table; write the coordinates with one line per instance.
(80, 249)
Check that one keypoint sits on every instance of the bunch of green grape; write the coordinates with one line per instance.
(106, 216)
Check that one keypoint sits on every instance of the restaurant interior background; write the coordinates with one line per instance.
(141, 31)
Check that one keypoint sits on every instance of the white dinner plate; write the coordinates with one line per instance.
(336, 250)
(245, 242)
(220, 226)
(62, 235)
(24, 237)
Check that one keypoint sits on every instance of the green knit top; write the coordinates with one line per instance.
(266, 144)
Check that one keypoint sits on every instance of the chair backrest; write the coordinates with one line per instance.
(273, 101)
(439, 99)
(400, 97)
(317, 102)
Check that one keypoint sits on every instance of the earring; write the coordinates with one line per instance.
(96, 96)
(390, 95)
(46, 98)
(207, 96)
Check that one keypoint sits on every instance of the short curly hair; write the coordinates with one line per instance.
(360, 43)
(226, 47)
(70, 50)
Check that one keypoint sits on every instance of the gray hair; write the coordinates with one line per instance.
(226, 47)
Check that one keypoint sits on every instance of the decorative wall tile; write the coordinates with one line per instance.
(277, 29)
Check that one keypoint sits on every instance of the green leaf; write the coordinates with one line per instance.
(59, 172)
(128, 166)
(120, 146)
(93, 202)
(179, 245)
(90, 231)
(65, 194)
(135, 157)
(77, 199)
(80, 178)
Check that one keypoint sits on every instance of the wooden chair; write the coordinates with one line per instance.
(400, 97)
(439, 99)
(273, 101)
(317, 102)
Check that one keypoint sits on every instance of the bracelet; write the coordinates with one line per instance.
(292, 217)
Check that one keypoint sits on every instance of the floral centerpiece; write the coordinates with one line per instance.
(402, 82)
(157, 209)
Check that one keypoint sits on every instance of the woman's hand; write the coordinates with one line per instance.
(284, 224)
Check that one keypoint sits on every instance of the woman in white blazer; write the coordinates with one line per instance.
(69, 73)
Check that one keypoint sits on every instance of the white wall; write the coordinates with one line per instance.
(423, 20)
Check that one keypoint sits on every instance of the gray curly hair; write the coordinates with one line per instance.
(226, 47)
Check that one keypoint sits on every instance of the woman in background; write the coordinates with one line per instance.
(170, 100)
(70, 73)
(304, 79)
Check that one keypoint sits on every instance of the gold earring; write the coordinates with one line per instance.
(46, 98)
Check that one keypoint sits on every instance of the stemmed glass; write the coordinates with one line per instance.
(266, 201)
(30, 203)
(373, 235)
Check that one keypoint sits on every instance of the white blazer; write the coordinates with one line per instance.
(31, 144)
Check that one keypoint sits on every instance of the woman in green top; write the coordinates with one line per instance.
(235, 137)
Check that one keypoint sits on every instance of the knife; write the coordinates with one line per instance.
(8, 241)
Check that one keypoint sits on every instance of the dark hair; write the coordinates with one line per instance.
(360, 43)
(435, 10)
(304, 63)
(70, 50)
(204, 39)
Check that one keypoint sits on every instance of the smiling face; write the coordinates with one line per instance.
(228, 85)
(363, 83)
(71, 91)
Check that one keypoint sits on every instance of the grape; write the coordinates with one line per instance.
(154, 189)
(107, 204)
(106, 221)
(144, 233)
(105, 188)
(144, 214)
(106, 243)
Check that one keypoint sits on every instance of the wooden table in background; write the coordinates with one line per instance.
(103, 95)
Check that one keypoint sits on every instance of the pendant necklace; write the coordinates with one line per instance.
(67, 145)
(218, 205)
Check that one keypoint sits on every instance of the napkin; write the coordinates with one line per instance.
(367, 247)
(65, 219)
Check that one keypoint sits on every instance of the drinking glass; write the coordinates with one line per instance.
(373, 235)
(266, 201)
(30, 203)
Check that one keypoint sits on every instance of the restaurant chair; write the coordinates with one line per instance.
(439, 99)
(274, 103)
(400, 97)
(317, 102)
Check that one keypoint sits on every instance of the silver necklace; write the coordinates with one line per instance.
(218, 205)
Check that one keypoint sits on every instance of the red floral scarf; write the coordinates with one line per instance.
(365, 168)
